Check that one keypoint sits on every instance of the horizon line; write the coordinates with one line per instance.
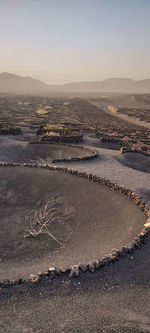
(70, 82)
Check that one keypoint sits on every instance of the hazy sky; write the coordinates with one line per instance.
(75, 40)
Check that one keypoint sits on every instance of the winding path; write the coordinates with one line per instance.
(107, 165)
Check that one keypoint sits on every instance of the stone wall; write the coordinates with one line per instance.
(131, 149)
(91, 153)
(129, 146)
(78, 138)
(10, 131)
(120, 141)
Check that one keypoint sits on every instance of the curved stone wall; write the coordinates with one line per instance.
(91, 153)
(124, 150)
(128, 146)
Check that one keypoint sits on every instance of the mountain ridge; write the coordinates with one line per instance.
(12, 83)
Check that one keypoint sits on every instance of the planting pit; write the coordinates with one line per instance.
(29, 153)
(109, 145)
(104, 219)
(135, 161)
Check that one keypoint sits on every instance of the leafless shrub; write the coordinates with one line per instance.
(42, 162)
(40, 221)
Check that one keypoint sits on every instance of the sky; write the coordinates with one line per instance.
(60, 41)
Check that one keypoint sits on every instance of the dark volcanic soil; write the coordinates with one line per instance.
(135, 161)
(109, 145)
(103, 220)
(115, 299)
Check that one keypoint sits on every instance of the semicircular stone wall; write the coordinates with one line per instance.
(104, 219)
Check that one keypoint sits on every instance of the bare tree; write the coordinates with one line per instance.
(39, 221)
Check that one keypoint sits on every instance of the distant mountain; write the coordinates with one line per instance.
(11, 83)
(120, 85)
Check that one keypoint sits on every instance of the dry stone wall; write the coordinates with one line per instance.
(134, 150)
(10, 131)
(61, 139)
(128, 146)
(90, 153)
